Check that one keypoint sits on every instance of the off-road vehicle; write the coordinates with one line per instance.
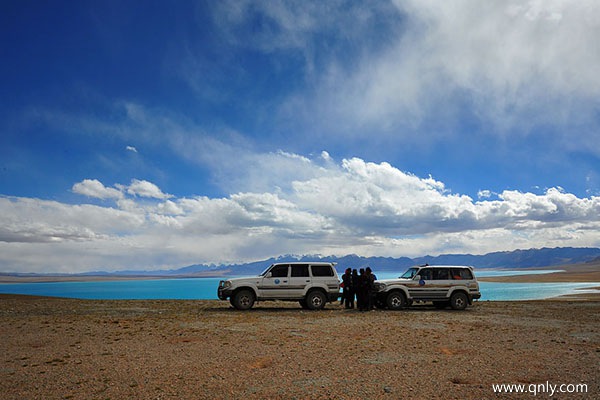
(444, 285)
(312, 284)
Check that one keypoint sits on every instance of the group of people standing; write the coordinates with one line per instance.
(360, 285)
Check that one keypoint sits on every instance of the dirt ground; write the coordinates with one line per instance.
(75, 349)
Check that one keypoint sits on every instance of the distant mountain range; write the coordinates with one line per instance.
(532, 258)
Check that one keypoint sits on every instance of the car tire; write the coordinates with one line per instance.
(303, 304)
(396, 300)
(459, 301)
(315, 300)
(243, 299)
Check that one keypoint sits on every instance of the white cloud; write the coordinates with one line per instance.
(94, 188)
(31, 221)
(237, 167)
(169, 208)
(299, 28)
(139, 188)
(378, 199)
(143, 188)
(484, 194)
(131, 148)
(354, 207)
(512, 66)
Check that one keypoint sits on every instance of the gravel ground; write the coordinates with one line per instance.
(75, 349)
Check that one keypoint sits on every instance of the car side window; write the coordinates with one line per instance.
(279, 271)
(299, 270)
(441, 274)
(321, 270)
(425, 274)
(462, 273)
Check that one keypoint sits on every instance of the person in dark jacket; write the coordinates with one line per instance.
(354, 291)
(362, 291)
(347, 283)
(370, 295)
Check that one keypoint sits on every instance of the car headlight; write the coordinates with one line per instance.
(226, 284)
(379, 287)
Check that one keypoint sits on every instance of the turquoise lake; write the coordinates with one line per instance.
(206, 288)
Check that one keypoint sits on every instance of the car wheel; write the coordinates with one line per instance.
(243, 300)
(396, 300)
(315, 300)
(303, 304)
(459, 301)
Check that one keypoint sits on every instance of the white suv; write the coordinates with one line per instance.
(444, 285)
(311, 283)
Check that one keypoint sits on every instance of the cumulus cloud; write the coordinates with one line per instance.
(378, 199)
(169, 208)
(143, 188)
(137, 188)
(351, 207)
(32, 220)
(95, 188)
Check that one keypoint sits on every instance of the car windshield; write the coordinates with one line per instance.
(266, 270)
(409, 274)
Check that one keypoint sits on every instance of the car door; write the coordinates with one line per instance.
(419, 287)
(441, 283)
(298, 281)
(274, 285)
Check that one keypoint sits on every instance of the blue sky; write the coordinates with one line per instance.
(146, 135)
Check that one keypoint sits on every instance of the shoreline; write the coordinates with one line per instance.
(573, 273)
(589, 272)
(577, 273)
(8, 278)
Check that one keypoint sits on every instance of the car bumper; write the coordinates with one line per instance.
(223, 293)
(331, 297)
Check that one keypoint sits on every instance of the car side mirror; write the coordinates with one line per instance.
(269, 275)
(417, 278)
